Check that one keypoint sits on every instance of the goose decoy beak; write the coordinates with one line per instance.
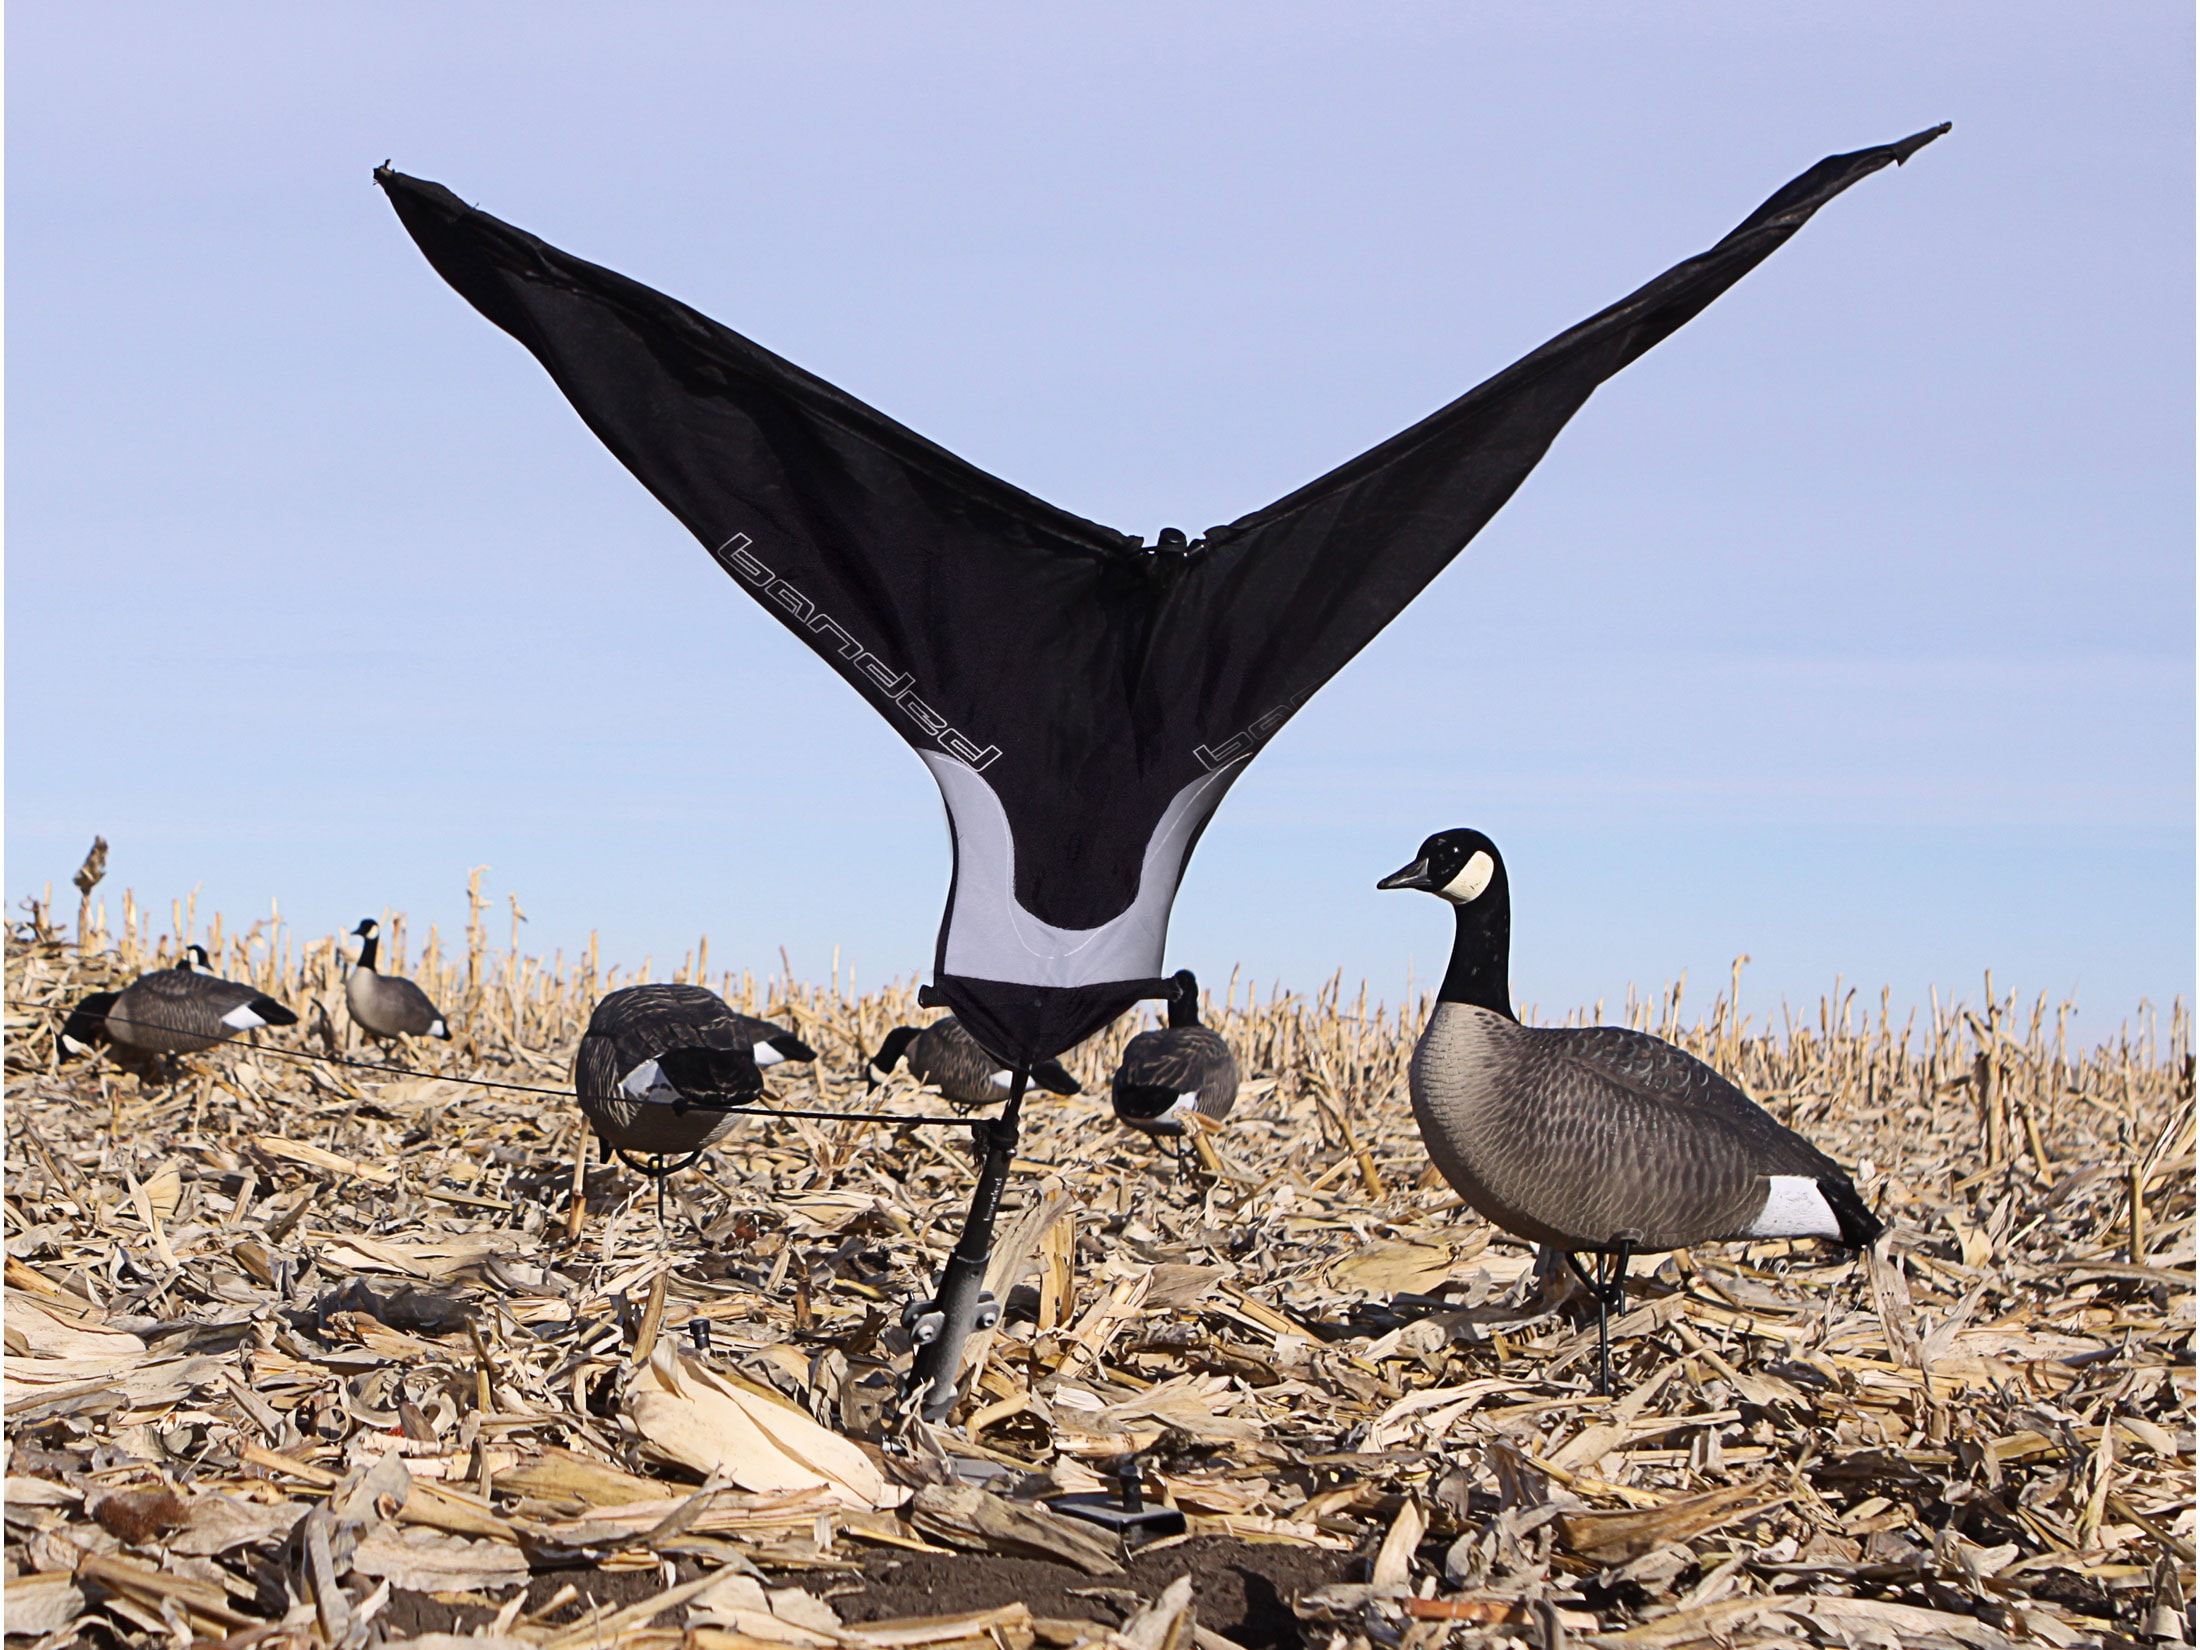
(1415, 875)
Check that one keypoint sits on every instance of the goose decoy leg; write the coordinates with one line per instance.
(960, 1304)
(1609, 1290)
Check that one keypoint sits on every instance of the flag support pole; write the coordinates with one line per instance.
(960, 1304)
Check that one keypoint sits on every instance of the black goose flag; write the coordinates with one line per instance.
(1083, 699)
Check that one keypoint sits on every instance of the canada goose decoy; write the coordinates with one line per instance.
(181, 1010)
(1168, 1075)
(384, 1005)
(661, 1068)
(946, 1056)
(1595, 1138)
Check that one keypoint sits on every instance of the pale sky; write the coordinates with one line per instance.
(1851, 629)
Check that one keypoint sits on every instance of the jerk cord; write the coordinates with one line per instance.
(567, 1094)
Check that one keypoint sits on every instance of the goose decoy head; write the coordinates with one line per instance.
(193, 960)
(1454, 865)
(367, 929)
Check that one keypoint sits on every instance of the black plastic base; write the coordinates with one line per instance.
(1133, 1524)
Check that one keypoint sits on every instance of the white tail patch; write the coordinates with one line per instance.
(1169, 1121)
(439, 1029)
(645, 1080)
(1794, 1207)
(766, 1055)
(1002, 1079)
(241, 1018)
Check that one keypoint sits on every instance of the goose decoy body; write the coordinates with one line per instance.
(1167, 1075)
(182, 1010)
(661, 1068)
(949, 1058)
(1595, 1139)
(384, 1005)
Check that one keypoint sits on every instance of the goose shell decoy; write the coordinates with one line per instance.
(182, 1010)
(1595, 1139)
(1167, 1075)
(949, 1058)
(384, 1005)
(660, 1068)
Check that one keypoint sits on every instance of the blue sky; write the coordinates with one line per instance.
(1851, 629)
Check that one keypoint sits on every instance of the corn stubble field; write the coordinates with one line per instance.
(298, 1353)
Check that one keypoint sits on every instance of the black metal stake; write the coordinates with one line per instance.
(1609, 1290)
(960, 1304)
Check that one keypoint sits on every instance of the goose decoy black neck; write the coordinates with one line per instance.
(194, 960)
(366, 934)
(881, 1065)
(1183, 999)
(1464, 869)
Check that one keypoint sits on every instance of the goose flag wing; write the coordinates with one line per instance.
(1083, 699)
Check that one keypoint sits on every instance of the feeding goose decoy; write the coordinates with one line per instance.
(1595, 1139)
(182, 1010)
(949, 1058)
(1168, 1075)
(383, 1005)
(662, 1068)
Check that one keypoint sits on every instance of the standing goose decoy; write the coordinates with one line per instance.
(661, 1069)
(181, 1010)
(382, 1005)
(1168, 1075)
(1595, 1138)
(949, 1058)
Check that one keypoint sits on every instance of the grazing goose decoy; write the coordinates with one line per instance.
(662, 1067)
(949, 1058)
(1595, 1139)
(181, 1010)
(382, 1005)
(1168, 1075)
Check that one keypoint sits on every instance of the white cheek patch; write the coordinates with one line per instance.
(1473, 877)
(765, 1055)
(242, 1018)
(1794, 1207)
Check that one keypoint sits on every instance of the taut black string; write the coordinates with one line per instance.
(557, 1094)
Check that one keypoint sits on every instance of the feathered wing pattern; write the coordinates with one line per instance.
(1082, 700)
